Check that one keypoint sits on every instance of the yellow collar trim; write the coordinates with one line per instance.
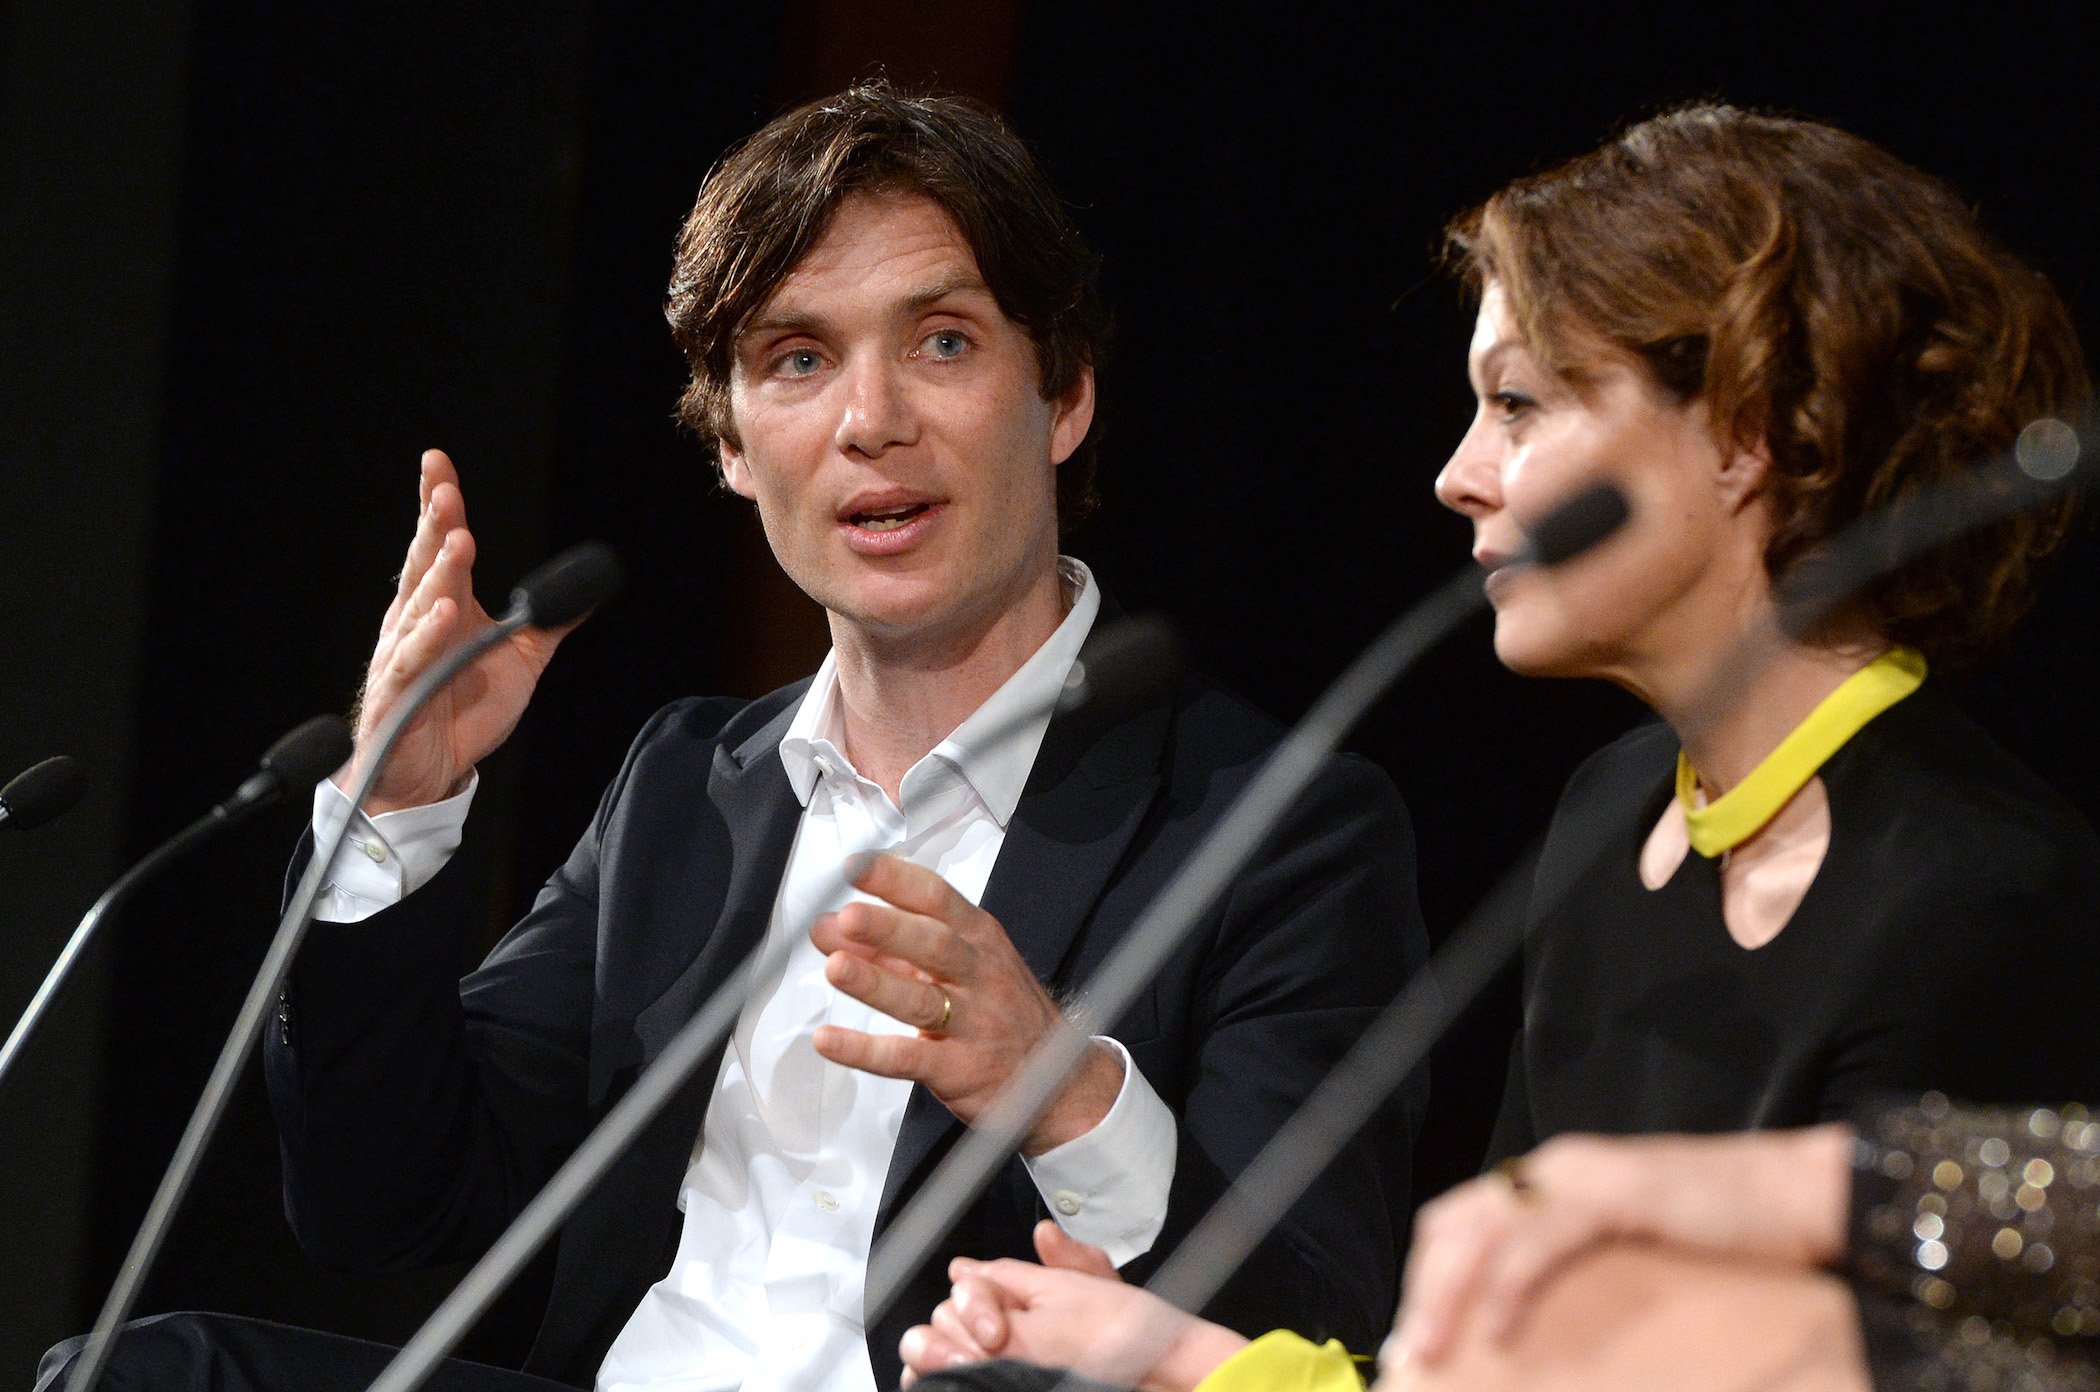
(1740, 813)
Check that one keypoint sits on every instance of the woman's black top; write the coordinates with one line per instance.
(1950, 941)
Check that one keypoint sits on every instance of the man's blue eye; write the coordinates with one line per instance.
(948, 343)
(799, 363)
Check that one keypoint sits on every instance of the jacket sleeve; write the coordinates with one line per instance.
(1317, 937)
(417, 1113)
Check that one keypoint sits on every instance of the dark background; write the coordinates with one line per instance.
(255, 256)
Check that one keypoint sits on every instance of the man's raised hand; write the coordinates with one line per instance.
(434, 610)
(930, 958)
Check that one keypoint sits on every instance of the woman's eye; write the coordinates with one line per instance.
(945, 343)
(1511, 405)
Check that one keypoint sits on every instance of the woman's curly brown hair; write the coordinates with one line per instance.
(1817, 293)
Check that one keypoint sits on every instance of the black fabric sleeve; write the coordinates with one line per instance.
(418, 1113)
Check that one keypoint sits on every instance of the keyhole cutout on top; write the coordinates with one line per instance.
(1765, 878)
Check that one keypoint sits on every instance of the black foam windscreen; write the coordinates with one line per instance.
(571, 585)
(1578, 524)
(1129, 664)
(42, 791)
(311, 752)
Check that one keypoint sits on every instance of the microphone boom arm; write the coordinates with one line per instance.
(257, 1008)
(965, 1170)
(169, 851)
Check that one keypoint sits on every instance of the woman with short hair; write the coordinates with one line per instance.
(1814, 881)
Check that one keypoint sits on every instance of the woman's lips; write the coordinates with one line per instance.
(893, 531)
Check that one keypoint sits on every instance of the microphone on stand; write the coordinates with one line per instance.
(1135, 663)
(558, 592)
(40, 792)
(301, 759)
(1571, 529)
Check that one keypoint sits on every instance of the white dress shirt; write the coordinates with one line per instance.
(766, 1292)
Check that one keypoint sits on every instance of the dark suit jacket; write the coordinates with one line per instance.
(419, 1113)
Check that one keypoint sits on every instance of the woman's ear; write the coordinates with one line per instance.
(1744, 471)
(1744, 468)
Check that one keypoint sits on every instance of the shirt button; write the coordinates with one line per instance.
(376, 850)
(827, 1201)
(1067, 1202)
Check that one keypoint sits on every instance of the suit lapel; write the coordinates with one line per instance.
(1093, 782)
(750, 791)
(623, 1236)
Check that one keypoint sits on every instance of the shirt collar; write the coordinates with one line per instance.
(994, 749)
(815, 732)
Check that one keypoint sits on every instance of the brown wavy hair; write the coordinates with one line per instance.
(1821, 294)
(772, 198)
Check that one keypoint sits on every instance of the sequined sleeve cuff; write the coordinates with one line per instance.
(1976, 1235)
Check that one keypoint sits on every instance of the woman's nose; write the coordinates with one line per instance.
(1471, 480)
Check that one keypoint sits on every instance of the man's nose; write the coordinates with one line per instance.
(877, 412)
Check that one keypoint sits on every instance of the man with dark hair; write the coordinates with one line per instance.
(762, 211)
(893, 330)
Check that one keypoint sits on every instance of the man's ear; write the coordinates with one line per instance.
(736, 471)
(1071, 415)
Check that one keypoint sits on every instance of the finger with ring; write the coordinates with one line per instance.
(1510, 1172)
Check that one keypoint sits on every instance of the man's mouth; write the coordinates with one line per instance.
(887, 519)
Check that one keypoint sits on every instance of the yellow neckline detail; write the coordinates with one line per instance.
(1740, 813)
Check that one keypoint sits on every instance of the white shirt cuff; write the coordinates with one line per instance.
(386, 858)
(1109, 1186)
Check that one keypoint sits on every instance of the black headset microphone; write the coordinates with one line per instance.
(41, 792)
(299, 760)
(559, 592)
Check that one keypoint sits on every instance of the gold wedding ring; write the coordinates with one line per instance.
(947, 1013)
(1510, 1172)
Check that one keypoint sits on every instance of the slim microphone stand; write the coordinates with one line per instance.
(963, 1173)
(321, 738)
(168, 852)
(1579, 523)
(984, 1148)
(256, 1009)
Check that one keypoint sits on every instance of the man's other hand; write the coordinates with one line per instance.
(1072, 1312)
(931, 959)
